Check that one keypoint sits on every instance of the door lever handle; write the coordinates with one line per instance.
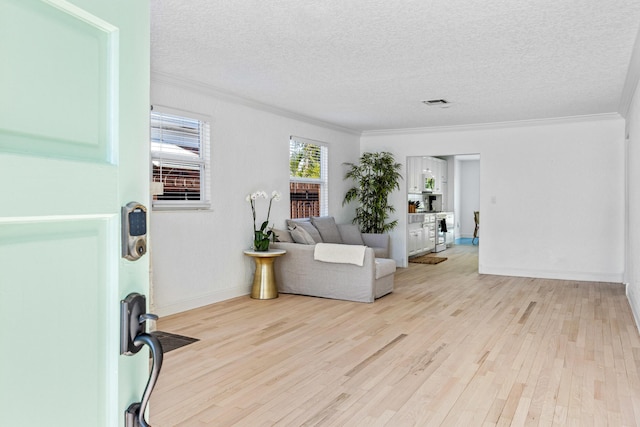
(134, 415)
(147, 316)
(133, 314)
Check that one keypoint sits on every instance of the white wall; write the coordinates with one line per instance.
(197, 256)
(469, 196)
(633, 205)
(552, 194)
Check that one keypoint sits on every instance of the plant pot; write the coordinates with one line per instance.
(260, 242)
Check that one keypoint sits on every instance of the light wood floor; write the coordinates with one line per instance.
(447, 347)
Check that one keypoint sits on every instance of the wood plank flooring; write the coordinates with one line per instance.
(448, 347)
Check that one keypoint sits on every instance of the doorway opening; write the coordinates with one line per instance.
(443, 195)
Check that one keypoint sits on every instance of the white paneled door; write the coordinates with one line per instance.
(74, 96)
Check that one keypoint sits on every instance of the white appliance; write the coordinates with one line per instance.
(445, 226)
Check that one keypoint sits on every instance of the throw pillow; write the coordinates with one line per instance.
(309, 228)
(350, 234)
(300, 235)
(283, 235)
(327, 228)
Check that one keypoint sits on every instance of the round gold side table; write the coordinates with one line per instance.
(264, 280)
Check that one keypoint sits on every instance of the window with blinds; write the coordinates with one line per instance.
(179, 147)
(308, 178)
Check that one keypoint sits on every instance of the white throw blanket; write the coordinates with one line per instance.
(338, 253)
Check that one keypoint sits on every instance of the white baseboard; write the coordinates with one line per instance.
(634, 302)
(199, 301)
(553, 274)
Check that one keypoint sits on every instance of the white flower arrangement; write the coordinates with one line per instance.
(261, 236)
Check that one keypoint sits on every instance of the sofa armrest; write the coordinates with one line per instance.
(379, 241)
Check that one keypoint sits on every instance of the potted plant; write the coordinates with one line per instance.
(262, 235)
(376, 176)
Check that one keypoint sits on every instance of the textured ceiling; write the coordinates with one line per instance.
(368, 64)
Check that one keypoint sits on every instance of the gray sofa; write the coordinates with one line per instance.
(298, 272)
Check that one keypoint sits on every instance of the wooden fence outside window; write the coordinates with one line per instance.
(305, 199)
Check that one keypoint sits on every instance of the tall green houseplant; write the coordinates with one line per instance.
(376, 177)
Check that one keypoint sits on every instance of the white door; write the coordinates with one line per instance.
(73, 148)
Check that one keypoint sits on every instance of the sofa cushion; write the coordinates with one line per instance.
(309, 228)
(283, 235)
(350, 234)
(327, 228)
(300, 235)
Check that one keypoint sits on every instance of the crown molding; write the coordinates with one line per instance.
(495, 125)
(203, 88)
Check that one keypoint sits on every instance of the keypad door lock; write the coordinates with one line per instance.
(134, 231)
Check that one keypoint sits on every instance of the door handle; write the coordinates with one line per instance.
(134, 415)
(133, 315)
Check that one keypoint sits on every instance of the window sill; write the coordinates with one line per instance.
(180, 206)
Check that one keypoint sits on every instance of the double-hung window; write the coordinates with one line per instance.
(180, 159)
(308, 177)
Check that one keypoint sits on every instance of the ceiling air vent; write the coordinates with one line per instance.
(436, 102)
(440, 103)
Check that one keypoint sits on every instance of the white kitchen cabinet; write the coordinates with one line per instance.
(419, 168)
(443, 183)
(414, 174)
(445, 196)
(434, 167)
(435, 170)
(417, 174)
(440, 174)
(421, 236)
(429, 229)
(416, 237)
(424, 165)
(444, 166)
(426, 171)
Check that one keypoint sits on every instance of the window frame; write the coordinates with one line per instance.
(203, 160)
(323, 181)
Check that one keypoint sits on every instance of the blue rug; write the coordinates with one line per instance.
(466, 241)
